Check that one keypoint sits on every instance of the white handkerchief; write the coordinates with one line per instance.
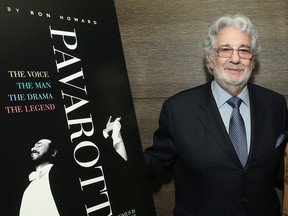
(118, 143)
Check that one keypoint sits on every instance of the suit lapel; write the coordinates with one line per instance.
(258, 120)
(212, 121)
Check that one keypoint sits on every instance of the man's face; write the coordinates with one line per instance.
(233, 71)
(40, 150)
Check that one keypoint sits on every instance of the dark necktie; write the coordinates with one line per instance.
(237, 131)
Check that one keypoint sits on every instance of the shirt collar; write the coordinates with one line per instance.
(222, 96)
(40, 172)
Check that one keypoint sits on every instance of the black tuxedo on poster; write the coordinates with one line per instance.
(63, 77)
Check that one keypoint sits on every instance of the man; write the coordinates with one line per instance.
(223, 168)
(37, 198)
(285, 193)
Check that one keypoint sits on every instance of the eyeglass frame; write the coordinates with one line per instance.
(217, 50)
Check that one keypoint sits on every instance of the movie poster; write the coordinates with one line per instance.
(64, 79)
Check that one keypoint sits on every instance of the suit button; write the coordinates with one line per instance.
(245, 200)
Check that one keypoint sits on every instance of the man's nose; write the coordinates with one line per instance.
(235, 58)
(33, 148)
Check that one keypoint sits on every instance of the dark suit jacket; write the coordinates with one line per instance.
(209, 179)
(66, 191)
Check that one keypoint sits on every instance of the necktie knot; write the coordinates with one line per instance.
(234, 102)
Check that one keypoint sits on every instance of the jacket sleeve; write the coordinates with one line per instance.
(281, 171)
(161, 155)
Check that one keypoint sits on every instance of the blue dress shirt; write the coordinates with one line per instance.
(225, 109)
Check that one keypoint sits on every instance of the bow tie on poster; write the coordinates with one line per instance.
(39, 173)
(35, 175)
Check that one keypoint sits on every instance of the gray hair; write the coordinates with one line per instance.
(238, 21)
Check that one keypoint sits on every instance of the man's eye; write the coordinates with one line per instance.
(244, 51)
(225, 50)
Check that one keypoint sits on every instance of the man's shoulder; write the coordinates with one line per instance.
(263, 92)
(193, 92)
(189, 99)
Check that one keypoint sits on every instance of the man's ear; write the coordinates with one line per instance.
(54, 153)
(209, 61)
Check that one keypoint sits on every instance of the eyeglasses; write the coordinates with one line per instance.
(226, 52)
